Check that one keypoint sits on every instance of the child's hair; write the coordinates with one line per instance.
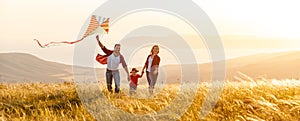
(134, 70)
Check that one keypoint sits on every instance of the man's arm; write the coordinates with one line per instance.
(99, 43)
(106, 51)
(128, 77)
(122, 60)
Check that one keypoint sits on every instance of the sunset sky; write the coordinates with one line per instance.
(252, 26)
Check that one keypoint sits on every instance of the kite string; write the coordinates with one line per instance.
(102, 36)
(108, 37)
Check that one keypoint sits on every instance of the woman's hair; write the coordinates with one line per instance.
(153, 49)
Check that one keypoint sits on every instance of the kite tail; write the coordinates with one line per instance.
(39, 43)
(53, 43)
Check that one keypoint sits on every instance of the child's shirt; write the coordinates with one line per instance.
(134, 79)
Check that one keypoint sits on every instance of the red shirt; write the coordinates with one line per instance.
(134, 79)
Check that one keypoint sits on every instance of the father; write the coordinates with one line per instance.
(112, 59)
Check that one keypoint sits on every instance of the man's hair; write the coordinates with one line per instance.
(117, 45)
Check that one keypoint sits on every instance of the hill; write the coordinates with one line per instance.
(25, 67)
(284, 65)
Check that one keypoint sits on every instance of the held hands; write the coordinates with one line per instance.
(128, 78)
(142, 73)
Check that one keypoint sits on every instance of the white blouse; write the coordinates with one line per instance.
(149, 64)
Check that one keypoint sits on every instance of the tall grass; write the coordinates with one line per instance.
(245, 100)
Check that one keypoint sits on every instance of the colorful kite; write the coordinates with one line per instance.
(97, 24)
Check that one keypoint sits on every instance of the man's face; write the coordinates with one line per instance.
(117, 49)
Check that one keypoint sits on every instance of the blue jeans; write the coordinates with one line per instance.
(113, 74)
(132, 90)
(151, 78)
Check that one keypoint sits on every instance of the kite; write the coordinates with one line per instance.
(97, 25)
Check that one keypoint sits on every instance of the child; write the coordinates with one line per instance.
(134, 80)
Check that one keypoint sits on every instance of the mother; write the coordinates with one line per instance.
(151, 65)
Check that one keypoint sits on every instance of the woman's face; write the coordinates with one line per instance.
(155, 50)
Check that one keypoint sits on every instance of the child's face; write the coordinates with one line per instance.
(134, 73)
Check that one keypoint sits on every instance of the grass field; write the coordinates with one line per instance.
(245, 100)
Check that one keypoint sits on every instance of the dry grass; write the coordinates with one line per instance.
(246, 100)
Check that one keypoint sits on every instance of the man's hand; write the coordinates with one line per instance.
(128, 78)
(97, 37)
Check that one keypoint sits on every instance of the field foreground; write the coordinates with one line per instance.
(247, 100)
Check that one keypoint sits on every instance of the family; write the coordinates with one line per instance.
(114, 58)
